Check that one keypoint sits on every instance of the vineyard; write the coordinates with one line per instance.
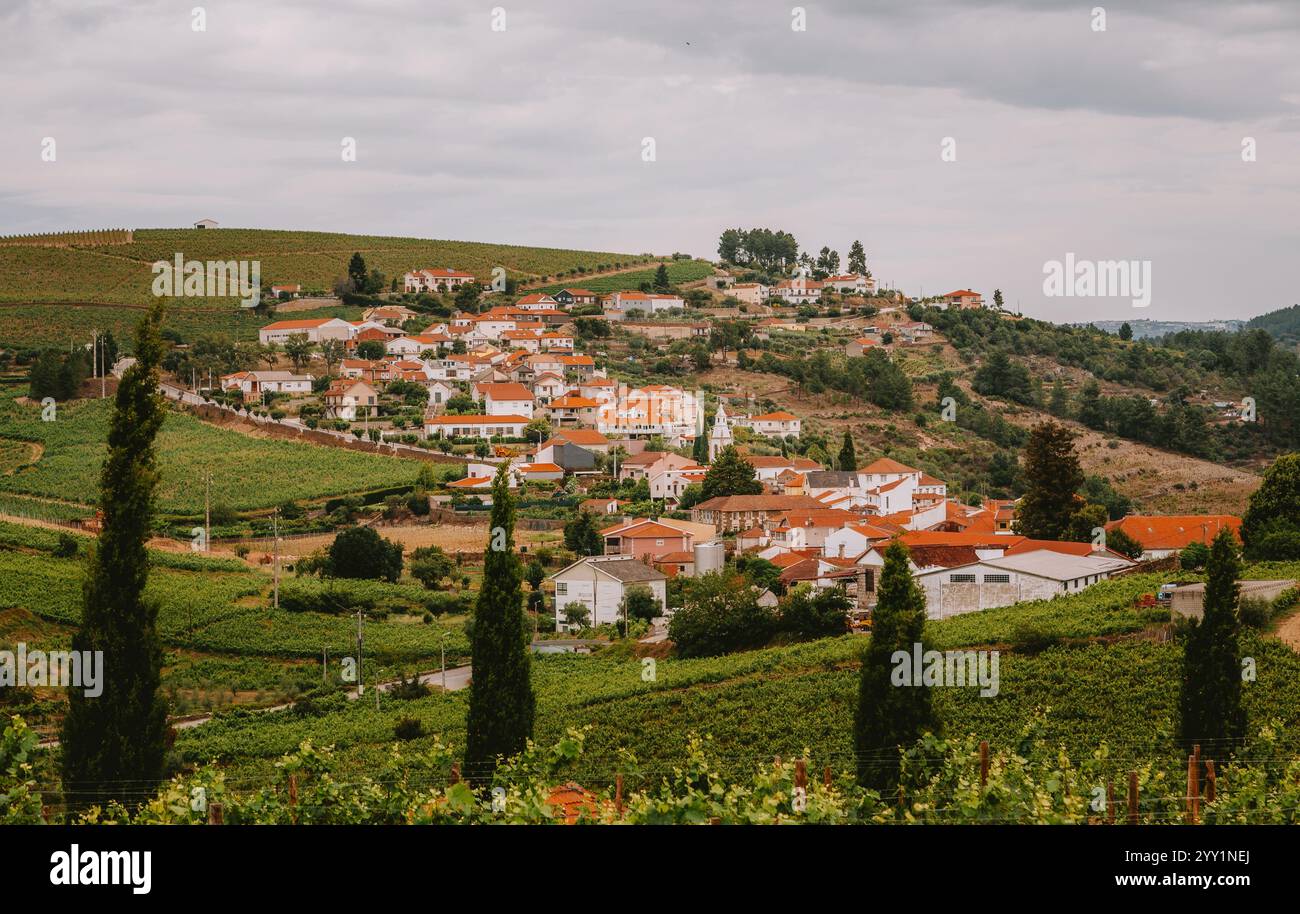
(120, 273)
(247, 473)
(679, 271)
(30, 326)
(223, 606)
(93, 238)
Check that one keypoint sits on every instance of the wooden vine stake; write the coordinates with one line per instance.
(214, 814)
(1132, 798)
(293, 798)
(827, 778)
(984, 763)
(618, 795)
(801, 774)
(455, 772)
(1211, 781)
(1193, 790)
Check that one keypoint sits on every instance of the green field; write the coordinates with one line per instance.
(28, 326)
(120, 273)
(222, 606)
(247, 473)
(679, 271)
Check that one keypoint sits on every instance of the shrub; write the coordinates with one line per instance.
(1254, 612)
(1194, 556)
(360, 552)
(408, 728)
(67, 546)
(1031, 639)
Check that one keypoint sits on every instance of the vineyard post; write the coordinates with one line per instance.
(293, 798)
(1132, 798)
(1211, 781)
(826, 777)
(618, 795)
(984, 763)
(1193, 790)
(214, 814)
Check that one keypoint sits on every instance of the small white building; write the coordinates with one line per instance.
(316, 330)
(435, 280)
(1038, 575)
(505, 399)
(600, 582)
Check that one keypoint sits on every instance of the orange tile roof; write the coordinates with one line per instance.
(886, 465)
(1175, 531)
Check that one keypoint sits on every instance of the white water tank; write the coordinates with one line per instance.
(709, 557)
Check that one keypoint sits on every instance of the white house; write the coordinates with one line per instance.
(477, 426)
(255, 383)
(799, 291)
(316, 330)
(440, 392)
(779, 424)
(431, 280)
(751, 293)
(505, 399)
(851, 283)
(650, 303)
(600, 582)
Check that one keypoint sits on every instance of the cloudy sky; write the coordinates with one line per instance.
(1116, 144)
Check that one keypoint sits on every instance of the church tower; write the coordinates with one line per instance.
(720, 436)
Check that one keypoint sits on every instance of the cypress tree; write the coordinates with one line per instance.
(114, 744)
(1209, 701)
(890, 716)
(848, 459)
(501, 702)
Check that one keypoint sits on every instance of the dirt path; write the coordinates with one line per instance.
(1288, 631)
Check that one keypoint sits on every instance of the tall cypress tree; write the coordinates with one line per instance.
(848, 459)
(114, 744)
(890, 716)
(501, 702)
(1209, 701)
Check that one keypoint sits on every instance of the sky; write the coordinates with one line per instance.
(1117, 144)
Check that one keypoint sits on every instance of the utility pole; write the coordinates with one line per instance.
(361, 688)
(275, 528)
(103, 368)
(442, 643)
(207, 512)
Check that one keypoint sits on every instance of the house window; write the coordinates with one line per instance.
(561, 589)
(997, 579)
(961, 579)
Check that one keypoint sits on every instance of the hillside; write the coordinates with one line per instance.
(1283, 324)
(102, 285)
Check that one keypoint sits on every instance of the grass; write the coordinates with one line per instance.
(679, 271)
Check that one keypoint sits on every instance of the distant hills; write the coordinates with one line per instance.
(1143, 329)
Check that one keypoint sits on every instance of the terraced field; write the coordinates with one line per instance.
(679, 271)
(247, 473)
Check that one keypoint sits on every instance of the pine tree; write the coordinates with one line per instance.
(501, 702)
(730, 474)
(1059, 404)
(857, 259)
(890, 716)
(1052, 476)
(114, 744)
(1209, 702)
(848, 459)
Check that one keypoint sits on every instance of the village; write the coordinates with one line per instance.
(512, 385)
